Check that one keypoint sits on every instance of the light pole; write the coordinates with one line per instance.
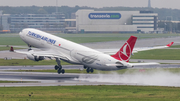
(165, 26)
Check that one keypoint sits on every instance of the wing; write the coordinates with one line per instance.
(135, 50)
(151, 48)
(48, 53)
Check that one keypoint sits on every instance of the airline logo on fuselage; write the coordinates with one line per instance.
(37, 36)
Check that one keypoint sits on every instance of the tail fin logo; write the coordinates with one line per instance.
(125, 52)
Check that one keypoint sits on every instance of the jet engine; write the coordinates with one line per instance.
(35, 58)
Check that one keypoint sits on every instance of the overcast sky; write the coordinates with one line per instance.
(174, 4)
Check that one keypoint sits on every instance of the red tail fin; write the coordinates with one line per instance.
(125, 52)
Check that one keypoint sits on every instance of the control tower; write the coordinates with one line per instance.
(149, 3)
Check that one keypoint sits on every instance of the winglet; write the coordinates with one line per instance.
(11, 49)
(170, 44)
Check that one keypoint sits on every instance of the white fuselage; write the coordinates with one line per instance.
(74, 53)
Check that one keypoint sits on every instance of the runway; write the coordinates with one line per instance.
(141, 78)
(80, 67)
(48, 79)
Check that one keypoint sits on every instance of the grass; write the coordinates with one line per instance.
(8, 48)
(161, 54)
(18, 81)
(90, 93)
(11, 41)
(175, 46)
(14, 39)
(26, 62)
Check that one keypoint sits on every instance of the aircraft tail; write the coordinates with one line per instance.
(125, 52)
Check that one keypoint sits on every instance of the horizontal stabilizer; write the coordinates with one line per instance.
(144, 64)
(170, 44)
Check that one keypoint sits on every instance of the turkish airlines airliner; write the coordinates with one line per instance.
(61, 49)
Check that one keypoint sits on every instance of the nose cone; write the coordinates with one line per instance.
(23, 32)
(20, 33)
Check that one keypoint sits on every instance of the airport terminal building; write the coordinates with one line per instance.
(50, 22)
(46, 22)
(84, 21)
(116, 21)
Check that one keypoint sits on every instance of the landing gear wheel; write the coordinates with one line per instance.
(87, 70)
(56, 67)
(92, 70)
(63, 71)
(59, 71)
(85, 67)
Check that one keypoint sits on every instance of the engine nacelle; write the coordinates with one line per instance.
(35, 58)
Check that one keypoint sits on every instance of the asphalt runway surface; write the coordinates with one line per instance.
(54, 79)
(80, 67)
(157, 78)
(48, 79)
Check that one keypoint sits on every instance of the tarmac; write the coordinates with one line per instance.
(71, 79)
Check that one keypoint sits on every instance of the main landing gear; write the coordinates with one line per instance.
(59, 67)
(29, 47)
(88, 70)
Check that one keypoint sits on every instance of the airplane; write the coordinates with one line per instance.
(61, 49)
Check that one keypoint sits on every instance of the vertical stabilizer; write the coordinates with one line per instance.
(125, 52)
